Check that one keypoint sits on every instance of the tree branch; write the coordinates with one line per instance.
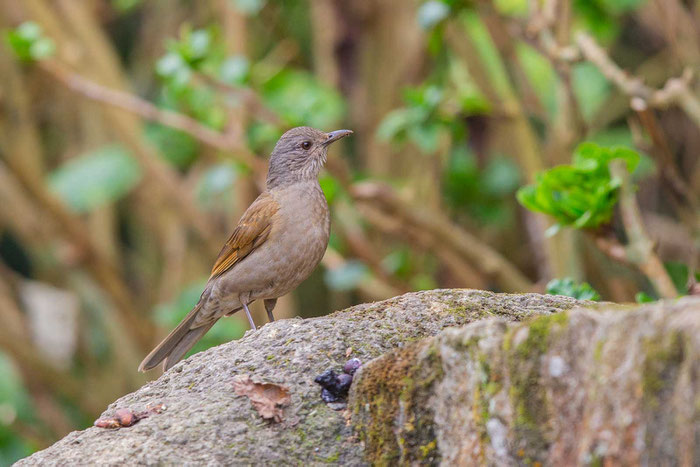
(462, 243)
(640, 248)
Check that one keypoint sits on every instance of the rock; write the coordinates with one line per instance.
(207, 423)
(611, 386)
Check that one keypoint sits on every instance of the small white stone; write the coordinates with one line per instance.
(557, 366)
(497, 434)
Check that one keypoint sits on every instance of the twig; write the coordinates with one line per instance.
(663, 153)
(676, 91)
(640, 248)
(145, 109)
(249, 97)
(469, 247)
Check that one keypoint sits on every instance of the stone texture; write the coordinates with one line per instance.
(206, 423)
(607, 386)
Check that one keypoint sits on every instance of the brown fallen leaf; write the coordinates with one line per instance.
(127, 417)
(267, 398)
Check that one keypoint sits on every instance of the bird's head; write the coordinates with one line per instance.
(299, 155)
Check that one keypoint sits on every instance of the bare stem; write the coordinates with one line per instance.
(640, 248)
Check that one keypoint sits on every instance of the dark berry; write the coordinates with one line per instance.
(328, 396)
(344, 382)
(352, 365)
(326, 379)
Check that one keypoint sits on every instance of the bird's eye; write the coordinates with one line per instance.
(306, 145)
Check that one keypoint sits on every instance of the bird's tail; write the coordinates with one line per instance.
(178, 342)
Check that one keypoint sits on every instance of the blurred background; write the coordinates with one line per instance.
(488, 135)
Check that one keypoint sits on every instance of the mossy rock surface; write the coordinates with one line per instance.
(207, 423)
(607, 385)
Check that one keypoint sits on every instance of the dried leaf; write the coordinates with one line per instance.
(267, 398)
(107, 423)
(127, 417)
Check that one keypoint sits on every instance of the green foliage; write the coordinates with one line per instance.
(330, 186)
(680, 275)
(248, 7)
(300, 99)
(14, 406)
(569, 288)
(483, 193)
(235, 70)
(601, 17)
(28, 43)
(216, 184)
(177, 147)
(419, 122)
(125, 5)
(581, 195)
(170, 314)
(643, 297)
(590, 87)
(347, 276)
(540, 74)
(95, 179)
(431, 13)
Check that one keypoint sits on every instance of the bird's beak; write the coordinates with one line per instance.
(336, 135)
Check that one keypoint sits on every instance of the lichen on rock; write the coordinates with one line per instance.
(578, 387)
(449, 376)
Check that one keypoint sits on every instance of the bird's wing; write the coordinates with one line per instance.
(251, 232)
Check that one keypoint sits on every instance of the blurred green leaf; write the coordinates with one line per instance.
(472, 101)
(262, 136)
(177, 147)
(301, 100)
(581, 195)
(395, 123)
(488, 52)
(569, 288)
(501, 176)
(95, 179)
(193, 46)
(643, 297)
(14, 405)
(423, 282)
(432, 12)
(28, 42)
(347, 276)
(590, 87)
(235, 70)
(398, 262)
(426, 136)
(330, 187)
(679, 274)
(248, 7)
(517, 8)
(215, 182)
(540, 74)
(125, 5)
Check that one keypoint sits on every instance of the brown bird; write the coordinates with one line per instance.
(278, 242)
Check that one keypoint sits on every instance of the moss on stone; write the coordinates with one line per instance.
(390, 397)
(661, 361)
(528, 399)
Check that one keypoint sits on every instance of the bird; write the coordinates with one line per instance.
(278, 242)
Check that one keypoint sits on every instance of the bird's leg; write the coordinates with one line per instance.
(269, 306)
(250, 318)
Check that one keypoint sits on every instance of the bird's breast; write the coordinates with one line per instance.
(298, 239)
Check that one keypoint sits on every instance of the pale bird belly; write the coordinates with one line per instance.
(294, 248)
(278, 266)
